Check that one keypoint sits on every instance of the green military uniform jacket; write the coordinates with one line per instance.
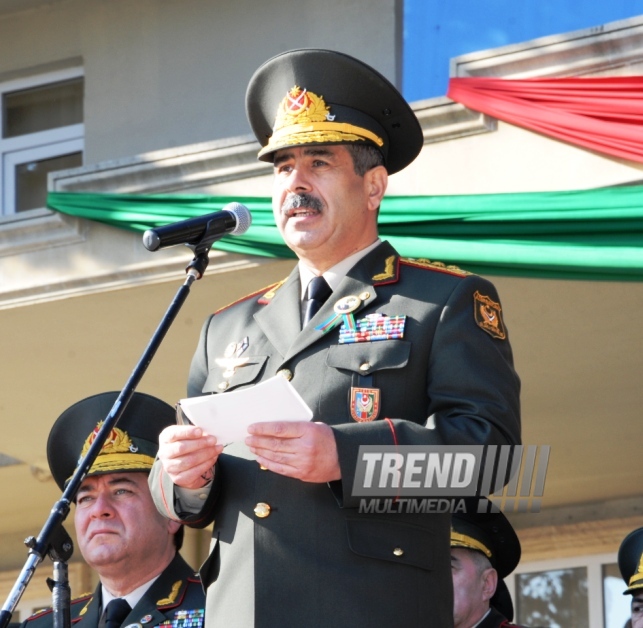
(315, 560)
(175, 600)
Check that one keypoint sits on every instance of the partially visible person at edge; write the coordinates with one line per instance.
(630, 563)
(484, 550)
(120, 534)
(401, 352)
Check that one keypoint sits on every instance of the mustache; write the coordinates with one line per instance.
(297, 201)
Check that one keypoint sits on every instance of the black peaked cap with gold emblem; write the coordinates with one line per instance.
(491, 534)
(312, 97)
(630, 561)
(131, 446)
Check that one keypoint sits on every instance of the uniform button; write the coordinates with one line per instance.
(262, 510)
(285, 373)
(203, 496)
(263, 468)
(223, 385)
(398, 551)
(365, 366)
(365, 296)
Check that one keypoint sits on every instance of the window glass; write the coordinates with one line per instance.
(616, 605)
(556, 598)
(42, 108)
(31, 179)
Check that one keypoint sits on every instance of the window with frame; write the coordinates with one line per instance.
(581, 592)
(42, 131)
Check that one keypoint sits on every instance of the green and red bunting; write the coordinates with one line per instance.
(586, 234)
(603, 114)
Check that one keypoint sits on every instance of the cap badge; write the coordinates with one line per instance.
(300, 107)
(304, 117)
(118, 441)
(637, 576)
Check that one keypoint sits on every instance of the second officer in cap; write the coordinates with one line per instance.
(144, 582)
(630, 563)
(484, 550)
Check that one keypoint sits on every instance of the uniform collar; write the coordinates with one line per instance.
(132, 598)
(335, 274)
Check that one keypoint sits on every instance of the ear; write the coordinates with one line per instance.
(489, 583)
(173, 526)
(375, 183)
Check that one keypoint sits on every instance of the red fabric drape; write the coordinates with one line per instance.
(604, 114)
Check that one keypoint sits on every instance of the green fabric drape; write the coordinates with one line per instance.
(587, 234)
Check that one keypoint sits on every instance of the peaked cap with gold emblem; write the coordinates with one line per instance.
(630, 561)
(131, 446)
(487, 532)
(493, 535)
(312, 97)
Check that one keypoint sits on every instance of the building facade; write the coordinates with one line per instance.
(147, 97)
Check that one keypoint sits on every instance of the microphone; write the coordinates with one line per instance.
(234, 219)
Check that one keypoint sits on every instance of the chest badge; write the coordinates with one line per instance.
(343, 309)
(232, 359)
(192, 618)
(365, 404)
(373, 327)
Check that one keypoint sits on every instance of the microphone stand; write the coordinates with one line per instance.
(60, 550)
(53, 539)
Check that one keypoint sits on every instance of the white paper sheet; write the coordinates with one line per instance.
(227, 416)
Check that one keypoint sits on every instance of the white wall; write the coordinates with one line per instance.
(165, 73)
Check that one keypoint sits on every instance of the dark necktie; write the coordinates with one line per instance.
(116, 612)
(318, 291)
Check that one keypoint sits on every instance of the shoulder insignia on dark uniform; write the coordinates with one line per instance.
(268, 296)
(84, 597)
(84, 609)
(422, 262)
(389, 270)
(39, 613)
(264, 299)
(488, 315)
(170, 599)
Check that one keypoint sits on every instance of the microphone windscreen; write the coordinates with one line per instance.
(243, 215)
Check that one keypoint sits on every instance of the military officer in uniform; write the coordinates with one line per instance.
(630, 563)
(384, 350)
(484, 550)
(144, 582)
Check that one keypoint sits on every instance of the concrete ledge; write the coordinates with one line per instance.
(36, 230)
(601, 49)
(442, 119)
(176, 169)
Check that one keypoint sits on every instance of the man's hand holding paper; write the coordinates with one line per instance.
(228, 416)
(306, 451)
(271, 418)
(188, 454)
